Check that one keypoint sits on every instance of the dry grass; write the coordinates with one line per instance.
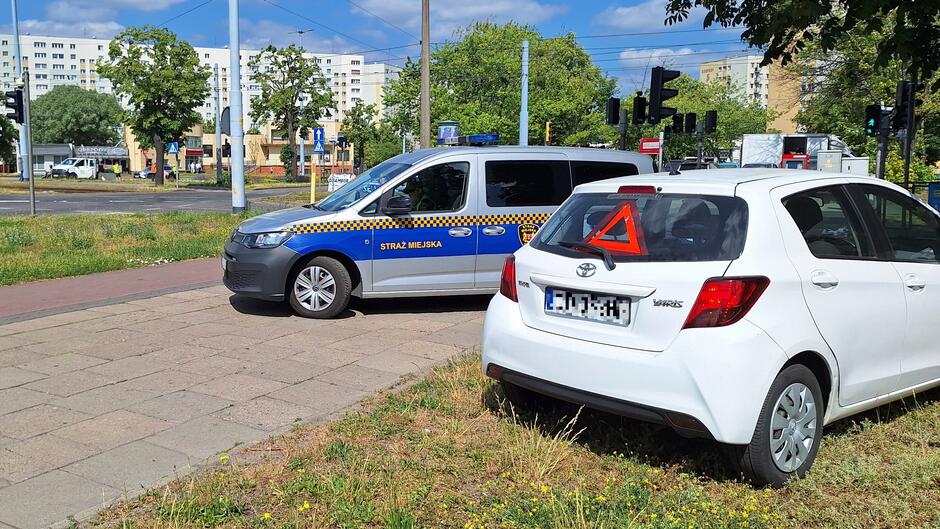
(448, 453)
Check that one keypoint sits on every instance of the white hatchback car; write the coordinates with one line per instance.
(747, 306)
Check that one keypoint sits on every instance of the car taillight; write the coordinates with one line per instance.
(507, 283)
(725, 300)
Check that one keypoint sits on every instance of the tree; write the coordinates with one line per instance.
(162, 83)
(360, 130)
(286, 76)
(71, 114)
(784, 28)
(9, 135)
(387, 143)
(476, 82)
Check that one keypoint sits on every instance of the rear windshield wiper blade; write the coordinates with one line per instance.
(591, 248)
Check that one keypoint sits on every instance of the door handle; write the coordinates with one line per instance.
(914, 283)
(460, 232)
(824, 280)
(494, 230)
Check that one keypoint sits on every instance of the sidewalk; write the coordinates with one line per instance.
(54, 295)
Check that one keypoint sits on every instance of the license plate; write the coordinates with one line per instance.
(601, 308)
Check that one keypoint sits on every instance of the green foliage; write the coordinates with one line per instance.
(476, 82)
(71, 114)
(289, 161)
(387, 143)
(286, 76)
(9, 135)
(206, 514)
(359, 126)
(782, 29)
(162, 82)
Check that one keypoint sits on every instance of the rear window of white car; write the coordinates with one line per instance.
(648, 227)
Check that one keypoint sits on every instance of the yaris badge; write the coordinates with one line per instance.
(585, 270)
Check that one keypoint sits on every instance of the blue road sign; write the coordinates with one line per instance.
(318, 140)
(172, 148)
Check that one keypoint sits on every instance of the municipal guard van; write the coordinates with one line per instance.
(427, 223)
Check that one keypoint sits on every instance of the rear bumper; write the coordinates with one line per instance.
(708, 383)
(259, 273)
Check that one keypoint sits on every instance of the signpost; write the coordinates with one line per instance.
(649, 146)
(318, 140)
(174, 148)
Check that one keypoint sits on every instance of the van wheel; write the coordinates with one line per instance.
(788, 431)
(321, 288)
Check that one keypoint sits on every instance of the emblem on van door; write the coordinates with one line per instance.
(526, 232)
(585, 270)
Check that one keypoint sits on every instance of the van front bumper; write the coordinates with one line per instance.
(259, 273)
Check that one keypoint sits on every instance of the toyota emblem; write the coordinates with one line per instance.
(586, 270)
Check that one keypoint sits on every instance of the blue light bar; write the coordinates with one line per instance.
(491, 138)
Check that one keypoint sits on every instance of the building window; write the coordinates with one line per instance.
(100, 47)
(72, 56)
(58, 45)
(39, 44)
(58, 66)
(82, 61)
(355, 62)
(354, 81)
(193, 142)
(40, 55)
(58, 55)
(40, 65)
(355, 72)
(71, 46)
(328, 61)
(42, 87)
(5, 43)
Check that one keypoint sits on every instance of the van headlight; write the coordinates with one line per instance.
(271, 239)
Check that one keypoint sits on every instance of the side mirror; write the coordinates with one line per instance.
(397, 205)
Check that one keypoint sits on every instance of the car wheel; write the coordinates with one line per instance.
(321, 288)
(788, 432)
(73, 175)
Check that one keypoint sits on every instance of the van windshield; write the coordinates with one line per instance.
(68, 161)
(361, 186)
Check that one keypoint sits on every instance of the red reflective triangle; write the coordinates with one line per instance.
(627, 213)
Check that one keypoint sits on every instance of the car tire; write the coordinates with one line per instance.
(320, 289)
(73, 175)
(792, 414)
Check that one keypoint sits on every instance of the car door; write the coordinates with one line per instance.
(856, 300)
(434, 246)
(516, 195)
(911, 242)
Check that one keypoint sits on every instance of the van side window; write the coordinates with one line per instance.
(912, 229)
(438, 188)
(828, 223)
(584, 172)
(514, 183)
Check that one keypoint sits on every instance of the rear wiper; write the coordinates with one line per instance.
(591, 248)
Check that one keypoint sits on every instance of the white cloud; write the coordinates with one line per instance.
(647, 16)
(635, 65)
(450, 17)
(89, 18)
(101, 30)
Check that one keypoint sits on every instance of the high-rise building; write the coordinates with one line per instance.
(744, 74)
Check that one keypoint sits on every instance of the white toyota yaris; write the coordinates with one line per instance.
(747, 306)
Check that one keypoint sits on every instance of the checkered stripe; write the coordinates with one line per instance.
(421, 222)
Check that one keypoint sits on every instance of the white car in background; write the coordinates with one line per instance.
(747, 306)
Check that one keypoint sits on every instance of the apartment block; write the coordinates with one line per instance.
(744, 74)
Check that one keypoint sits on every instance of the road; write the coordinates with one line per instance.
(130, 202)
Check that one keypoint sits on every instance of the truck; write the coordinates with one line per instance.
(75, 168)
(792, 151)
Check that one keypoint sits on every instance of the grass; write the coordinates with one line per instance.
(447, 452)
(51, 246)
(77, 186)
(289, 200)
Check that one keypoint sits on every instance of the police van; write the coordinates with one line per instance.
(426, 223)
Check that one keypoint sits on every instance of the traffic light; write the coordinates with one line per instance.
(711, 121)
(341, 141)
(639, 110)
(899, 120)
(613, 110)
(677, 121)
(548, 133)
(659, 94)
(690, 119)
(14, 101)
(872, 120)
(227, 149)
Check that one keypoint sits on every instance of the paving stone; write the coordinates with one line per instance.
(13, 342)
(156, 326)
(422, 324)
(133, 466)
(180, 406)
(51, 497)
(16, 399)
(16, 467)
(119, 350)
(70, 383)
(15, 376)
(266, 413)
(436, 351)
(52, 334)
(199, 317)
(181, 354)
(15, 357)
(63, 363)
(320, 395)
(163, 382)
(60, 347)
(315, 337)
(288, 371)
(377, 341)
(104, 399)
(226, 342)
(37, 420)
(128, 368)
(210, 329)
(216, 366)
(112, 429)
(205, 436)
(52, 449)
(262, 352)
(238, 387)
(117, 308)
(463, 335)
(360, 377)
(397, 363)
(326, 357)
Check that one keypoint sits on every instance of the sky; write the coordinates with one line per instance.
(625, 37)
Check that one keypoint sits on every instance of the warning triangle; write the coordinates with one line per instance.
(609, 232)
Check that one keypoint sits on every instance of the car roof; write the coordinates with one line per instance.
(573, 153)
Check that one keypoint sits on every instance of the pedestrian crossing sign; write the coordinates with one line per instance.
(318, 140)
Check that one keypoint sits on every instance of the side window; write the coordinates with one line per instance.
(81, 163)
(437, 189)
(584, 172)
(828, 223)
(913, 230)
(513, 183)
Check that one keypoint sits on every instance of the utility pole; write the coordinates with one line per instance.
(524, 107)
(25, 170)
(425, 74)
(218, 130)
(623, 129)
(301, 172)
(700, 141)
(884, 130)
(911, 129)
(28, 158)
(237, 164)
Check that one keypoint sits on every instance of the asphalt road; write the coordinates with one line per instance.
(130, 202)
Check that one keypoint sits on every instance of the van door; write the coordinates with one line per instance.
(516, 195)
(434, 246)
